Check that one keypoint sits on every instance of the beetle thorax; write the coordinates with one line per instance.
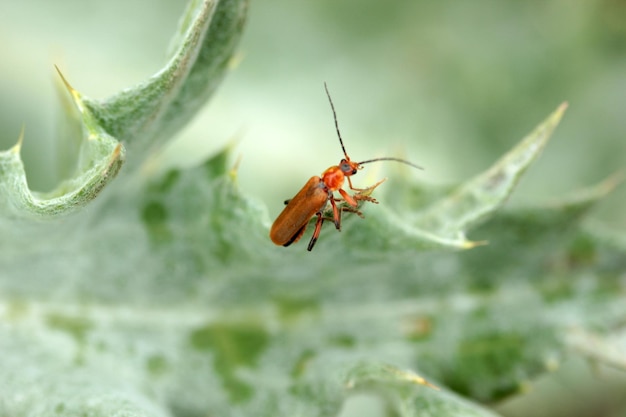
(333, 178)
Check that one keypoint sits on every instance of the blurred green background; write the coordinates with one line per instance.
(449, 85)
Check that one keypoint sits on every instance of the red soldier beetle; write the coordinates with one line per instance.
(311, 200)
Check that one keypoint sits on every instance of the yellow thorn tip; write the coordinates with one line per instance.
(470, 244)
(18, 145)
(75, 94)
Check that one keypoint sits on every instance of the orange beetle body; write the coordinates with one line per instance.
(311, 200)
(291, 222)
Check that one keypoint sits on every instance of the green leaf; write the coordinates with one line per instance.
(148, 114)
(142, 117)
(479, 198)
(443, 222)
(101, 159)
(167, 298)
(408, 394)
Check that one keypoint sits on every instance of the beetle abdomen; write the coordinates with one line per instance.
(291, 222)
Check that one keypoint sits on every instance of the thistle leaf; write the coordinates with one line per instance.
(167, 298)
(143, 117)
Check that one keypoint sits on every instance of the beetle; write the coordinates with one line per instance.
(318, 191)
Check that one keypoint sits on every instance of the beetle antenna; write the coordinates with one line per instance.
(336, 124)
(404, 161)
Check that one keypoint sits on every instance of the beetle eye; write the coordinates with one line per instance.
(346, 168)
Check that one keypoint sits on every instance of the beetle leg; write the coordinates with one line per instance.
(363, 194)
(347, 197)
(354, 188)
(353, 210)
(336, 213)
(363, 197)
(350, 207)
(316, 232)
(321, 218)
